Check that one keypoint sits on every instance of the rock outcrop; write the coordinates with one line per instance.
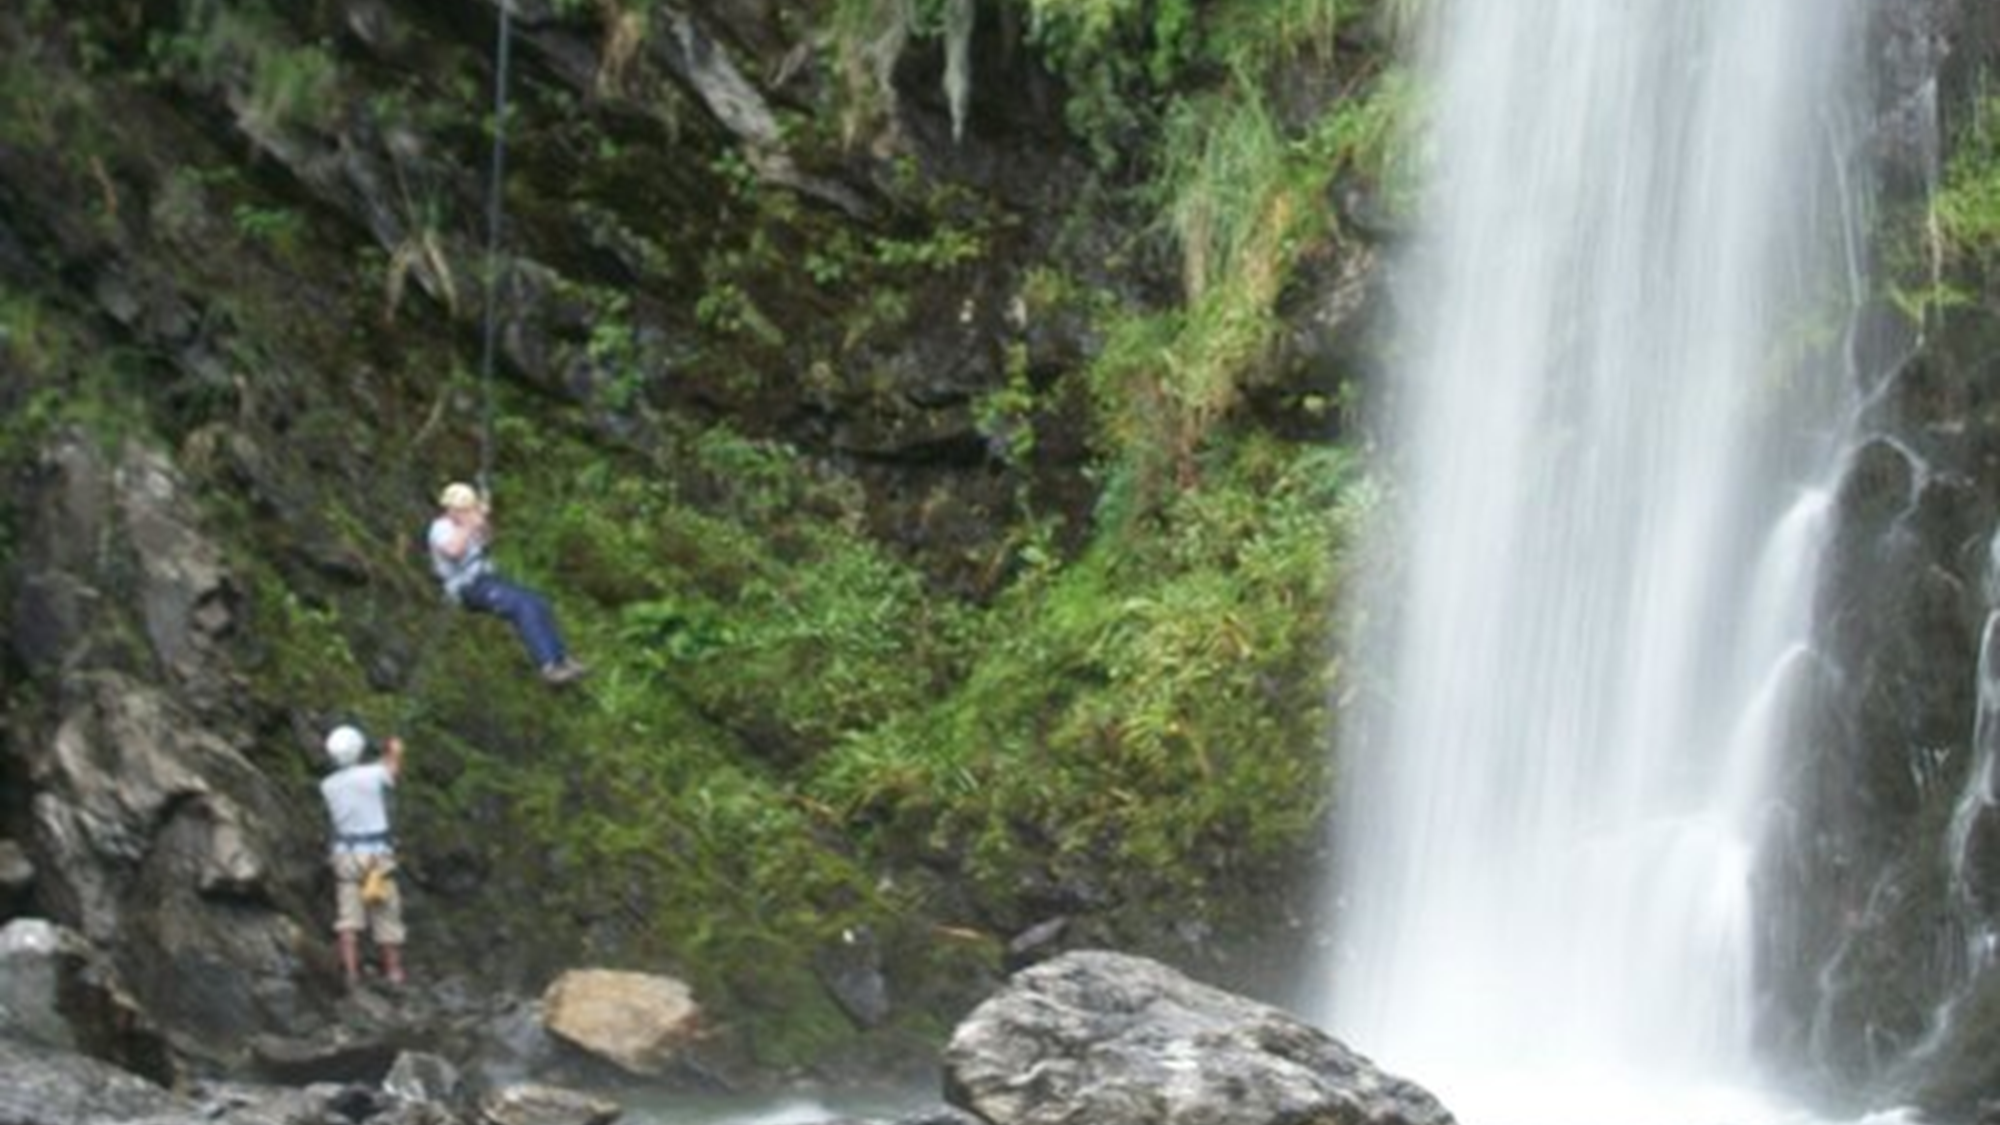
(153, 834)
(1878, 923)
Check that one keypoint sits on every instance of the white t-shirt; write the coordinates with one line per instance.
(461, 572)
(357, 801)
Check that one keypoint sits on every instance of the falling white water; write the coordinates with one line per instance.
(1621, 395)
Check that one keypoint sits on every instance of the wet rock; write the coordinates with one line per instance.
(851, 970)
(1119, 1040)
(533, 1104)
(1336, 316)
(513, 1043)
(1911, 43)
(637, 1020)
(420, 1077)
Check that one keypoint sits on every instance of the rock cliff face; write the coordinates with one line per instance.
(1879, 957)
(262, 230)
(151, 829)
(269, 241)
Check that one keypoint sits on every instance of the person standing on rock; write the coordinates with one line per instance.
(458, 540)
(364, 851)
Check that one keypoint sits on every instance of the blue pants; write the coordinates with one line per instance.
(528, 612)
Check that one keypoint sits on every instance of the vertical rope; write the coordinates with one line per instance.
(412, 692)
(494, 190)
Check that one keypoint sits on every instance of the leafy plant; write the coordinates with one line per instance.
(280, 228)
(285, 83)
(1148, 713)
(1966, 208)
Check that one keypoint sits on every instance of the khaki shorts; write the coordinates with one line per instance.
(383, 920)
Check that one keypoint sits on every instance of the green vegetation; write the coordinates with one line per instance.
(793, 731)
(1967, 204)
(1151, 714)
(286, 83)
(1939, 247)
(781, 712)
(789, 728)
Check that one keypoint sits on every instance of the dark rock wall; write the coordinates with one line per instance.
(281, 303)
(1879, 981)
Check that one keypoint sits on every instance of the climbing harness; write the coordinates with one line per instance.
(377, 884)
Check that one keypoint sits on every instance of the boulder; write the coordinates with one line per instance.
(43, 1085)
(57, 992)
(420, 1077)
(637, 1020)
(852, 972)
(335, 1056)
(1111, 1039)
(535, 1104)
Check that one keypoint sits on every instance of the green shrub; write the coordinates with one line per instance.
(1153, 713)
(1966, 208)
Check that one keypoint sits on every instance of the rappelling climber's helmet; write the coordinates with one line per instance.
(458, 495)
(345, 745)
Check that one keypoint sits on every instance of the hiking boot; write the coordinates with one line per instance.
(563, 671)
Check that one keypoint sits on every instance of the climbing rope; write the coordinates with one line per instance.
(489, 340)
(494, 188)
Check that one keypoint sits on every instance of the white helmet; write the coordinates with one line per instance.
(345, 745)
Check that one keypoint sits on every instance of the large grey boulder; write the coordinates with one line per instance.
(1096, 1038)
(57, 992)
(639, 1021)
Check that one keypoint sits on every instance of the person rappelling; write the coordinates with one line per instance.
(459, 539)
(363, 852)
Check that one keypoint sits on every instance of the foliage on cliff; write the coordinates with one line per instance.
(819, 705)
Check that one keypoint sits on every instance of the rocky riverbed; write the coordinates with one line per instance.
(1089, 1036)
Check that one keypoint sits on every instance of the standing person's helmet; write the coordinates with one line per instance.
(345, 745)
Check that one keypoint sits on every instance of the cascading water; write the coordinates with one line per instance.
(1621, 392)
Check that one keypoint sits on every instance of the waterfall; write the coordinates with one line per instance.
(1610, 430)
